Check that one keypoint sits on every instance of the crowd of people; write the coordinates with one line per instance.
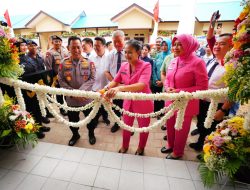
(171, 66)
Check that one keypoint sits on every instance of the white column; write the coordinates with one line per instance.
(187, 17)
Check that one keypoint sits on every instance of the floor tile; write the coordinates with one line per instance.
(132, 163)
(130, 180)
(177, 168)
(64, 170)
(32, 182)
(41, 148)
(155, 182)
(107, 178)
(199, 186)
(193, 170)
(11, 159)
(53, 184)
(3, 172)
(57, 151)
(74, 154)
(45, 167)
(85, 174)
(92, 157)
(74, 186)
(154, 165)
(11, 180)
(26, 165)
(112, 160)
(180, 184)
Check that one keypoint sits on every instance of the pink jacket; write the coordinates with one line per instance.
(187, 72)
(142, 74)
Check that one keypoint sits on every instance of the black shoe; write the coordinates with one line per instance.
(40, 135)
(63, 112)
(165, 150)
(164, 128)
(196, 146)
(74, 139)
(45, 120)
(165, 138)
(49, 115)
(139, 152)
(195, 132)
(173, 158)
(115, 128)
(106, 121)
(44, 129)
(92, 140)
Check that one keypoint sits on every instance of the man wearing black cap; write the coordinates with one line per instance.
(34, 71)
(54, 57)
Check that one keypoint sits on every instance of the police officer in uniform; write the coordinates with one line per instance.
(34, 71)
(54, 57)
(77, 72)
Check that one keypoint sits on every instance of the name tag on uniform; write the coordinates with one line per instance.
(170, 68)
(123, 73)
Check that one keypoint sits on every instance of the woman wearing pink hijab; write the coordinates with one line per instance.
(186, 73)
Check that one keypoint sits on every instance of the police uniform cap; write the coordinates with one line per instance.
(55, 37)
(31, 42)
(22, 40)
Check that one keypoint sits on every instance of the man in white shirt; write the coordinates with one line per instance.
(216, 70)
(116, 57)
(100, 59)
(87, 46)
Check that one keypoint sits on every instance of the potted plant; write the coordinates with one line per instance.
(17, 127)
(225, 151)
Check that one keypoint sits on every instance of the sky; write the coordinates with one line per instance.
(91, 7)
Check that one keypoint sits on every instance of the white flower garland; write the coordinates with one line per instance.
(139, 115)
(208, 94)
(211, 112)
(67, 108)
(182, 104)
(247, 120)
(20, 99)
(41, 98)
(158, 123)
(1, 97)
(81, 123)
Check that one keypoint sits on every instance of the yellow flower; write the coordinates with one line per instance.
(206, 148)
(206, 156)
(244, 13)
(7, 103)
(231, 146)
(210, 137)
(28, 127)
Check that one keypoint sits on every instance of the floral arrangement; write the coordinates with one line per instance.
(225, 151)
(16, 126)
(9, 59)
(237, 61)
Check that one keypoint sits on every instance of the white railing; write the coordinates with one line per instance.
(46, 97)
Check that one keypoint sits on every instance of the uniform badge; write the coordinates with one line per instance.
(58, 61)
(85, 77)
(85, 64)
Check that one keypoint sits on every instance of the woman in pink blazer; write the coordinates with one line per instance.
(135, 76)
(186, 73)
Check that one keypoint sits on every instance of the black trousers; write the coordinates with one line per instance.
(102, 112)
(204, 105)
(158, 105)
(119, 103)
(74, 117)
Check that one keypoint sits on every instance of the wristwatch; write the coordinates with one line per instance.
(223, 110)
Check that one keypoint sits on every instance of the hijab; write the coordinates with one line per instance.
(189, 45)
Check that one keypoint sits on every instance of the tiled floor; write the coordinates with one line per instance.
(58, 167)
(107, 141)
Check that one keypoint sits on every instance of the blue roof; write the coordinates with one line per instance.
(94, 21)
(228, 10)
(19, 21)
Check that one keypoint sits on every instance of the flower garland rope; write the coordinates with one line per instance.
(1, 97)
(19, 96)
(211, 113)
(182, 105)
(67, 108)
(41, 98)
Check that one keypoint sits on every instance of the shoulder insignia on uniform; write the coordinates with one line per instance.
(85, 64)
